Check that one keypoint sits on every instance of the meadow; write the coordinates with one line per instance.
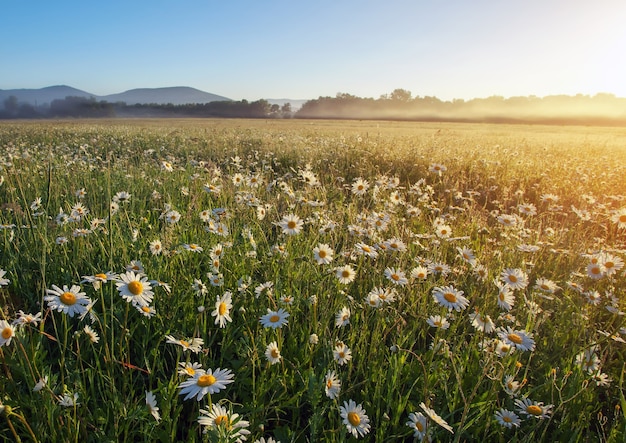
(231, 280)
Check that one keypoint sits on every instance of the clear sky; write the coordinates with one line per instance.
(296, 49)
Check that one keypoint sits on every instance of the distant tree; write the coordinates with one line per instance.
(401, 95)
(11, 105)
(286, 111)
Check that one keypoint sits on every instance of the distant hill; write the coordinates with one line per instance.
(43, 96)
(178, 95)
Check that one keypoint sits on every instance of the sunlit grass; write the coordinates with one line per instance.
(156, 221)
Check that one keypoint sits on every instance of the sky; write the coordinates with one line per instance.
(452, 49)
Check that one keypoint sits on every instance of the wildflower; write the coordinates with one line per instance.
(355, 418)
(503, 348)
(332, 385)
(93, 335)
(395, 244)
(419, 273)
(193, 247)
(223, 305)
(267, 287)
(372, 299)
(611, 263)
(152, 405)
(514, 278)
(121, 197)
(506, 298)
(199, 287)
(450, 298)
(418, 423)
(4, 281)
(156, 247)
(206, 382)
(7, 332)
(437, 321)
(342, 354)
(227, 425)
(342, 318)
(364, 249)
(601, 379)
(97, 279)
(521, 340)
(27, 319)
(439, 268)
(443, 231)
(436, 418)
(69, 400)
(291, 224)
(507, 418)
(619, 218)
(60, 240)
(216, 279)
(588, 360)
(533, 409)
(70, 301)
(272, 353)
(323, 254)
(194, 345)
(396, 276)
(437, 168)
(467, 255)
(43, 381)
(136, 266)
(345, 274)
(274, 319)
(482, 322)
(546, 285)
(313, 339)
(172, 217)
(146, 311)
(360, 187)
(527, 209)
(510, 385)
(135, 288)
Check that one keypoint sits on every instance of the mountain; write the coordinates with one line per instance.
(178, 95)
(43, 96)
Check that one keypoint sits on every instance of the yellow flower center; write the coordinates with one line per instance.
(7, 333)
(545, 287)
(505, 348)
(206, 380)
(342, 354)
(274, 318)
(354, 418)
(321, 254)
(329, 384)
(501, 296)
(291, 224)
(622, 218)
(595, 270)
(419, 426)
(395, 277)
(450, 297)
(275, 353)
(135, 287)
(515, 338)
(609, 264)
(512, 279)
(101, 276)
(67, 298)
(366, 249)
(506, 419)
(534, 410)
(145, 309)
(444, 231)
(360, 187)
(222, 308)
(184, 343)
(222, 420)
(190, 371)
(345, 273)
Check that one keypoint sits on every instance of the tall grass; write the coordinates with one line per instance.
(482, 199)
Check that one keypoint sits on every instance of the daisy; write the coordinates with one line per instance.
(546, 285)
(332, 385)
(450, 298)
(97, 279)
(355, 418)
(360, 187)
(514, 278)
(619, 218)
(437, 168)
(135, 288)
(503, 348)
(274, 319)
(395, 244)
(146, 311)
(443, 231)
(43, 381)
(418, 423)
(4, 281)
(266, 287)
(482, 322)
(272, 353)
(436, 418)
(467, 255)
(342, 318)
(612, 264)
(533, 409)
(419, 273)
(69, 400)
(194, 345)
(437, 321)
(93, 335)
(367, 250)
(216, 278)
(172, 217)
(507, 418)
(439, 268)
(152, 405)
(521, 340)
(396, 276)
(193, 247)
(323, 254)
(511, 386)
(121, 197)
(342, 354)
(372, 299)
(7, 332)
(206, 382)
(27, 319)
(345, 274)
(223, 305)
(506, 298)
(229, 426)
(291, 224)
(70, 301)
(136, 266)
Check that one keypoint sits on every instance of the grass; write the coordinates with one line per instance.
(537, 202)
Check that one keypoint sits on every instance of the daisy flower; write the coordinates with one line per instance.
(418, 423)
(194, 345)
(146, 311)
(467, 255)
(188, 368)
(619, 218)
(419, 273)
(595, 270)
(443, 231)
(69, 400)
(152, 405)
(437, 321)
(27, 319)
(332, 385)
(70, 301)
(323, 254)
(437, 168)
(272, 353)
(193, 247)
(546, 285)
(291, 224)
(365, 249)
(511, 386)
(521, 340)
(436, 418)
(4, 281)
(612, 264)
(206, 382)
(345, 274)
(342, 318)
(223, 305)
(506, 298)
(121, 197)
(228, 425)
(482, 322)
(136, 266)
(507, 418)
(135, 288)
(531, 408)
(7, 332)
(359, 187)
(342, 354)
(199, 287)
(274, 319)
(450, 298)
(514, 278)
(396, 276)
(92, 334)
(97, 279)
(355, 418)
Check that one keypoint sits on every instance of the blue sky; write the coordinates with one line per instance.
(302, 50)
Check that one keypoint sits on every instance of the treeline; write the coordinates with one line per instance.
(81, 107)
(600, 109)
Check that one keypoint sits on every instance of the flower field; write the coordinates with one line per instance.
(211, 280)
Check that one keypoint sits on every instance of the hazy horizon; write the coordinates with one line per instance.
(248, 50)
